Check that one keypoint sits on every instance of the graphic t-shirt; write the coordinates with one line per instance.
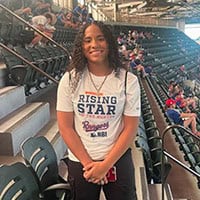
(98, 118)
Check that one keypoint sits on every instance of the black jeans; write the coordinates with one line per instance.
(122, 189)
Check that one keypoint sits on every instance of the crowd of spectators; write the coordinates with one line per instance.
(75, 18)
(40, 15)
(180, 107)
(131, 50)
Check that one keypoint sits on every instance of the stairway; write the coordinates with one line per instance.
(20, 120)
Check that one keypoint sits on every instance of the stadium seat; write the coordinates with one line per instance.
(15, 34)
(20, 73)
(197, 157)
(5, 30)
(52, 62)
(155, 142)
(64, 59)
(40, 156)
(18, 182)
(156, 155)
(37, 77)
(142, 143)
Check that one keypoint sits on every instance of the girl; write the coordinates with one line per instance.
(98, 109)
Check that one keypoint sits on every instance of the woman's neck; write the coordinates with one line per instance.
(99, 69)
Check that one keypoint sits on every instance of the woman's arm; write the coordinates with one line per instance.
(123, 142)
(71, 138)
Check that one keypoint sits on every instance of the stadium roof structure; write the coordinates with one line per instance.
(162, 9)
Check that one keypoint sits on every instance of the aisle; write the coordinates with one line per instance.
(182, 183)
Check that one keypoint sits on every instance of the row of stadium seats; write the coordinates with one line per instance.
(38, 174)
(18, 34)
(50, 59)
(149, 140)
(64, 35)
(187, 144)
(15, 34)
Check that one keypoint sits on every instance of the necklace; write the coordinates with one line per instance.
(101, 85)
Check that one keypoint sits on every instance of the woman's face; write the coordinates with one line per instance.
(95, 46)
(69, 16)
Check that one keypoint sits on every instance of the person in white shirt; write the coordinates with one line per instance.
(44, 24)
(98, 109)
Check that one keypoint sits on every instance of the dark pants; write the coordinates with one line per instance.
(122, 189)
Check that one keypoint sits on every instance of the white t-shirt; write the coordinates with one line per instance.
(39, 20)
(98, 119)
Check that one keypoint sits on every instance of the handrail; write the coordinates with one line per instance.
(29, 63)
(35, 29)
(171, 157)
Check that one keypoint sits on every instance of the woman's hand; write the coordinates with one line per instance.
(95, 172)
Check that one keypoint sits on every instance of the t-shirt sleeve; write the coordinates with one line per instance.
(133, 101)
(64, 100)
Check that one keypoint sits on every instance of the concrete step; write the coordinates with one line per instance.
(7, 160)
(21, 124)
(51, 132)
(11, 98)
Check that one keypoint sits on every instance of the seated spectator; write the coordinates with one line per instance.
(185, 103)
(89, 18)
(20, 7)
(39, 7)
(188, 120)
(77, 13)
(173, 89)
(183, 72)
(25, 13)
(44, 24)
(123, 50)
(84, 13)
(69, 21)
(60, 18)
(49, 27)
(136, 64)
(148, 70)
(132, 56)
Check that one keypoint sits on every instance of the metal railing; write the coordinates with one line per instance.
(41, 33)
(166, 130)
(29, 63)
(35, 29)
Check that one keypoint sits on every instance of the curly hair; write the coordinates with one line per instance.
(78, 60)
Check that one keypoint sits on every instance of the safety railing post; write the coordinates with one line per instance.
(171, 157)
